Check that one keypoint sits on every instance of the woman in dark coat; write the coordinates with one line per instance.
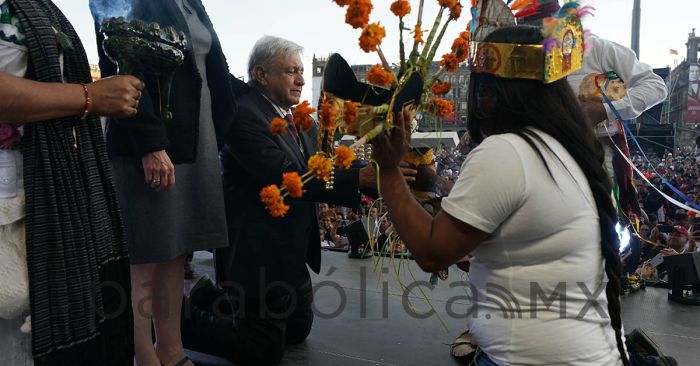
(167, 173)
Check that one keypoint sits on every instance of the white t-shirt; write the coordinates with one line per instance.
(544, 235)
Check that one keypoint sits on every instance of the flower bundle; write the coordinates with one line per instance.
(420, 57)
(320, 166)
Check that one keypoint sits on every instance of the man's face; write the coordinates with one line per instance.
(284, 81)
(694, 73)
(323, 207)
(677, 241)
(644, 231)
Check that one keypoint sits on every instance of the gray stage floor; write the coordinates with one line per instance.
(364, 316)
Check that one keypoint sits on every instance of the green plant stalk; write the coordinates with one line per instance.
(429, 41)
(433, 50)
(419, 23)
(402, 52)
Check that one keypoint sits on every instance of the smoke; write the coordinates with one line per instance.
(102, 9)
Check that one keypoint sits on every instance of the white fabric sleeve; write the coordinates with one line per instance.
(644, 88)
(490, 187)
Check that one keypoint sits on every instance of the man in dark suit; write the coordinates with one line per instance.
(264, 269)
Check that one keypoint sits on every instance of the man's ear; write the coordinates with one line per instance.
(260, 75)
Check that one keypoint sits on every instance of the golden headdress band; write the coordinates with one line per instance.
(560, 54)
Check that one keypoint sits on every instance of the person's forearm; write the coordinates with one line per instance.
(23, 101)
(410, 220)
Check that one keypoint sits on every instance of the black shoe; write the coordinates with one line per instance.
(641, 342)
(206, 295)
(198, 326)
(361, 254)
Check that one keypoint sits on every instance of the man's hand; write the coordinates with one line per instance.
(594, 111)
(368, 175)
(668, 251)
(158, 170)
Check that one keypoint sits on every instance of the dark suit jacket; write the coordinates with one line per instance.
(147, 132)
(264, 249)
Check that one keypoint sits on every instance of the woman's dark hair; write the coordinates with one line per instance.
(553, 109)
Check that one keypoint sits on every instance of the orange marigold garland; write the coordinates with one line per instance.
(460, 46)
(400, 8)
(327, 114)
(272, 198)
(439, 88)
(302, 115)
(320, 166)
(371, 37)
(278, 126)
(449, 62)
(342, 3)
(292, 182)
(441, 107)
(357, 14)
(377, 75)
(344, 157)
(447, 3)
(418, 34)
(456, 11)
(350, 112)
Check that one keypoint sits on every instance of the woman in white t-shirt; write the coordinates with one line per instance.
(532, 206)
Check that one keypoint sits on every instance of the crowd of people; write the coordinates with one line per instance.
(664, 228)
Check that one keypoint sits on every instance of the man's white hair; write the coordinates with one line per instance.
(268, 49)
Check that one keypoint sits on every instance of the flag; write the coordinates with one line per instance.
(673, 52)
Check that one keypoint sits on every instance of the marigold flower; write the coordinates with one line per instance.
(418, 34)
(357, 14)
(447, 3)
(344, 157)
(441, 107)
(441, 88)
(278, 209)
(342, 3)
(302, 115)
(400, 8)
(320, 166)
(327, 114)
(273, 201)
(456, 11)
(460, 46)
(292, 181)
(371, 37)
(350, 112)
(377, 75)
(278, 126)
(449, 62)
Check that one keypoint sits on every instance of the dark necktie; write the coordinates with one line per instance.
(292, 126)
(294, 131)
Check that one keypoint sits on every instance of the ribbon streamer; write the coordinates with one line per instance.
(624, 123)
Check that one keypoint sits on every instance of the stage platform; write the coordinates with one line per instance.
(364, 316)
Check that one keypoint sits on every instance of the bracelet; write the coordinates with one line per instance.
(88, 101)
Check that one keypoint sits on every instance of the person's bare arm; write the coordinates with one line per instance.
(24, 101)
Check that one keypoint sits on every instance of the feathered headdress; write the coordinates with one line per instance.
(560, 54)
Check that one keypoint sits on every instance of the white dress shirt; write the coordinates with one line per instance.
(644, 88)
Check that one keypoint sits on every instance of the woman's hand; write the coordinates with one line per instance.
(388, 151)
(116, 96)
(158, 170)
